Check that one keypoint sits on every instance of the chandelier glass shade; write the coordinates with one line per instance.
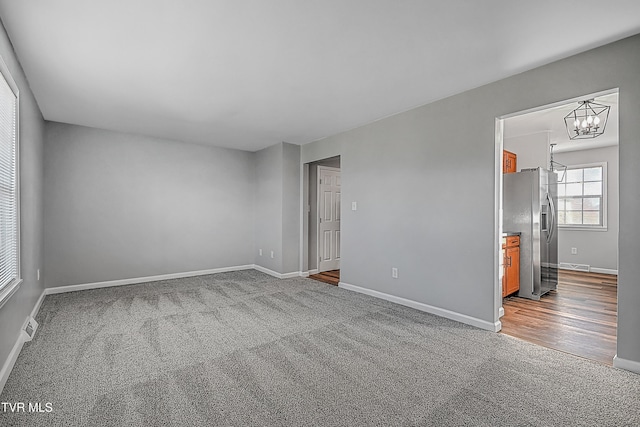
(587, 121)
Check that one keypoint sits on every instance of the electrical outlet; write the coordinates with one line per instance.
(394, 272)
(271, 254)
(260, 252)
(574, 251)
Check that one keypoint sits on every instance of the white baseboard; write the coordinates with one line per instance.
(36, 308)
(604, 271)
(627, 365)
(11, 360)
(586, 268)
(136, 280)
(500, 312)
(463, 318)
(276, 274)
(308, 273)
(17, 347)
(290, 275)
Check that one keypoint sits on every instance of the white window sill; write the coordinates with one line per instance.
(8, 291)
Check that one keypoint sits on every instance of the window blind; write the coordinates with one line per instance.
(8, 186)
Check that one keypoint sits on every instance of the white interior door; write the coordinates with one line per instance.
(328, 218)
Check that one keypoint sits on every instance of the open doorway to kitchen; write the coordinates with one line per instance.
(324, 220)
(559, 226)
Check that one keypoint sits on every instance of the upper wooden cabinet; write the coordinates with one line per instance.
(509, 161)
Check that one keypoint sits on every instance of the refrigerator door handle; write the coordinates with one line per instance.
(552, 209)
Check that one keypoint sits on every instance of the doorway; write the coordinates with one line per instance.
(579, 316)
(328, 222)
(324, 220)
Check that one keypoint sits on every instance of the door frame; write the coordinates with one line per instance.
(321, 168)
(498, 193)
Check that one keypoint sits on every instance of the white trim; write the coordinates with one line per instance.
(626, 364)
(36, 308)
(473, 321)
(276, 274)
(318, 213)
(577, 267)
(11, 360)
(13, 287)
(7, 292)
(15, 351)
(560, 103)
(308, 273)
(604, 271)
(136, 280)
(604, 198)
(498, 269)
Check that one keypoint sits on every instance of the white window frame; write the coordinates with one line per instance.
(605, 179)
(10, 288)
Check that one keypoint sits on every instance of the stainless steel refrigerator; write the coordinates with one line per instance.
(529, 207)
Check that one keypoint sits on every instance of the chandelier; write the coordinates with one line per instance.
(587, 121)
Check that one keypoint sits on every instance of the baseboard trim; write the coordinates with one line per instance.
(276, 274)
(36, 308)
(574, 267)
(604, 271)
(137, 280)
(314, 271)
(11, 360)
(500, 312)
(627, 365)
(17, 347)
(463, 318)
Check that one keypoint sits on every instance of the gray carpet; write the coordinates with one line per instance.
(246, 349)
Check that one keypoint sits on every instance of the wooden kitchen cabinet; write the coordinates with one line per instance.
(511, 265)
(509, 162)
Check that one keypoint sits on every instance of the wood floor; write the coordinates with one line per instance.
(579, 318)
(332, 277)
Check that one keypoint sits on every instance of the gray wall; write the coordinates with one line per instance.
(19, 306)
(277, 207)
(598, 249)
(119, 206)
(290, 208)
(425, 187)
(268, 207)
(312, 202)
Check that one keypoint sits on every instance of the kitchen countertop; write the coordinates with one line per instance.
(510, 233)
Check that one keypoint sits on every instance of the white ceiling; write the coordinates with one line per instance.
(250, 73)
(551, 121)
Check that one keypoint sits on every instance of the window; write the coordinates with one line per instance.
(9, 198)
(582, 197)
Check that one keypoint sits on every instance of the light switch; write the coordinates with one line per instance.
(354, 206)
